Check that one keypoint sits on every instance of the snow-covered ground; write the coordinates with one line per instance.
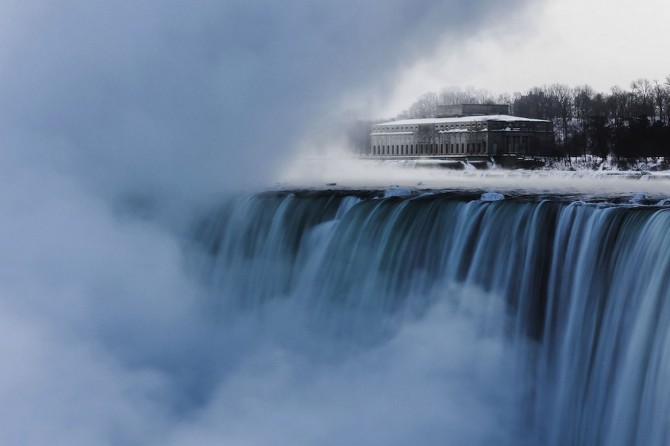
(591, 162)
(576, 178)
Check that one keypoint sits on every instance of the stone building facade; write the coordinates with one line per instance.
(486, 135)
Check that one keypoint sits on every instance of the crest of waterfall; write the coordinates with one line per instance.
(576, 293)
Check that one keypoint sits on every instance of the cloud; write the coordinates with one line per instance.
(171, 96)
(108, 110)
(437, 381)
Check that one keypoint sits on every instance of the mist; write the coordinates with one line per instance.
(350, 173)
(168, 97)
(116, 119)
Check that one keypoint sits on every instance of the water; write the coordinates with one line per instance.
(441, 318)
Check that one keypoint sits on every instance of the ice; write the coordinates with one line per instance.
(638, 198)
(492, 196)
(397, 192)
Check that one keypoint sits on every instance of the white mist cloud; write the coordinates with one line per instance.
(109, 108)
(170, 96)
(348, 172)
(440, 380)
(62, 390)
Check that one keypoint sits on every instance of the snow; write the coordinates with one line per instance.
(492, 196)
(480, 118)
(355, 173)
(642, 168)
(638, 198)
(457, 131)
(397, 192)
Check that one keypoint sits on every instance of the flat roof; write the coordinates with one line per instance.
(479, 118)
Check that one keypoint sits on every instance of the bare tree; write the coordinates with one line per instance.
(661, 93)
(471, 95)
(424, 107)
(626, 123)
(583, 101)
(561, 98)
(503, 98)
(643, 103)
(618, 104)
(453, 96)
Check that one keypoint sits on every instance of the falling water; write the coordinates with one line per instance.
(522, 321)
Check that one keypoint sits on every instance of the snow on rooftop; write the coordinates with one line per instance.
(478, 118)
(391, 133)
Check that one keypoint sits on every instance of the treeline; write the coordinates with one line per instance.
(631, 123)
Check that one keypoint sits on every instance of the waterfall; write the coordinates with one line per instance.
(562, 305)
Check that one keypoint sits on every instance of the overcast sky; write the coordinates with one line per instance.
(602, 43)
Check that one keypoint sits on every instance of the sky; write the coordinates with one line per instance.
(120, 120)
(601, 43)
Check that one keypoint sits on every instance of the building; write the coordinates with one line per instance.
(463, 131)
(453, 111)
